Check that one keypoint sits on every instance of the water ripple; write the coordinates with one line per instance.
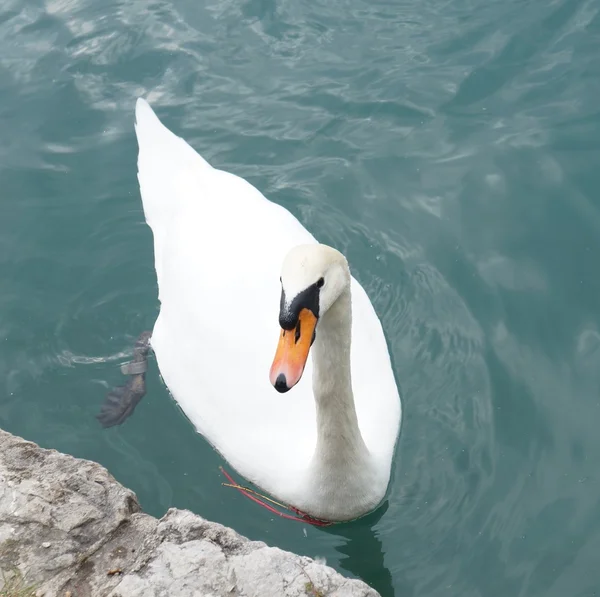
(450, 149)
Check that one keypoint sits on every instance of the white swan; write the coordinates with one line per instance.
(236, 275)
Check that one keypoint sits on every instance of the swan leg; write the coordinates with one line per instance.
(121, 401)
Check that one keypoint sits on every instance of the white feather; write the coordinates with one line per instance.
(219, 247)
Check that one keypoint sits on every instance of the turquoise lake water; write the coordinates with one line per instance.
(450, 148)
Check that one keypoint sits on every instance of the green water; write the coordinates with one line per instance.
(449, 148)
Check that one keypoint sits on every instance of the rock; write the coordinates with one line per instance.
(68, 528)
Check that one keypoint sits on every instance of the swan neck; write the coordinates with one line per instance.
(339, 440)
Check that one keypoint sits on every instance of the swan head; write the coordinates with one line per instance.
(313, 277)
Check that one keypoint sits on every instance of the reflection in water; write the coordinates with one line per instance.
(363, 551)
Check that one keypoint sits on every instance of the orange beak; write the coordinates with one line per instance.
(292, 352)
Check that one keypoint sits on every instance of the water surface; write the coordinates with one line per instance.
(449, 148)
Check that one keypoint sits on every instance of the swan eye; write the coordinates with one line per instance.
(320, 282)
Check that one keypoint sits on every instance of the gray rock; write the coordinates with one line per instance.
(68, 527)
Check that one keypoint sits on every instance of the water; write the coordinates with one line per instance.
(449, 148)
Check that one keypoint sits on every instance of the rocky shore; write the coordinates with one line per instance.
(69, 529)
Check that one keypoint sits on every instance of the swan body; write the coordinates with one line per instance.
(229, 266)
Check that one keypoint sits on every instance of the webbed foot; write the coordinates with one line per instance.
(122, 400)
